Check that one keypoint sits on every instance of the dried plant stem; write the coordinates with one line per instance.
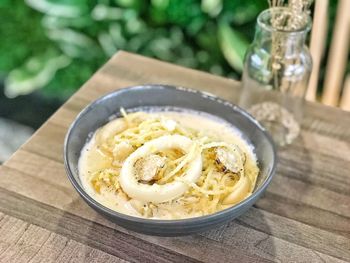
(295, 19)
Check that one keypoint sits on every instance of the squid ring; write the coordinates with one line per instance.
(239, 192)
(157, 193)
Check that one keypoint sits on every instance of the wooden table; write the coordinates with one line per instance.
(303, 217)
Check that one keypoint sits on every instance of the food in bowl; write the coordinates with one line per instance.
(168, 164)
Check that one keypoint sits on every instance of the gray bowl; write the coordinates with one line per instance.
(97, 114)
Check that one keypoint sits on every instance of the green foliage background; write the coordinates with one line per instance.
(55, 46)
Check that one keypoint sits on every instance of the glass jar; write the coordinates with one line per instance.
(276, 72)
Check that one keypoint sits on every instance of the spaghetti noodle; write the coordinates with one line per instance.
(160, 166)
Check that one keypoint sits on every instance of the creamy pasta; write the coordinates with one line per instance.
(168, 165)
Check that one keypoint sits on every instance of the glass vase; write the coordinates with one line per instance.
(277, 68)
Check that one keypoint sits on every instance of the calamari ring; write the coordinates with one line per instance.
(157, 193)
(240, 191)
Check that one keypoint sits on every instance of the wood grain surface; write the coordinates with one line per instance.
(303, 217)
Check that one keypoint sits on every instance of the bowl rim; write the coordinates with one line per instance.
(166, 222)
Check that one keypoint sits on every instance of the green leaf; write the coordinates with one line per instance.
(212, 7)
(233, 45)
(74, 43)
(68, 79)
(107, 44)
(241, 12)
(115, 31)
(59, 8)
(35, 73)
(104, 12)
(246, 14)
(53, 22)
(160, 4)
(174, 11)
(134, 4)
(22, 34)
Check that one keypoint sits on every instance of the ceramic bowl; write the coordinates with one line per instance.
(97, 114)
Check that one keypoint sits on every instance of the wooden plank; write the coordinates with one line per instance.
(304, 235)
(39, 189)
(318, 144)
(159, 72)
(321, 167)
(328, 158)
(77, 207)
(311, 195)
(281, 250)
(241, 235)
(306, 214)
(328, 125)
(47, 141)
(324, 155)
(294, 171)
(110, 240)
(333, 222)
(313, 161)
(44, 169)
(77, 252)
(11, 231)
(66, 115)
(30, 243)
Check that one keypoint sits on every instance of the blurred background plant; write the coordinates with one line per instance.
(51, 47)
(55, 46)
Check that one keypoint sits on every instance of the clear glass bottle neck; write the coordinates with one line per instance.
(288, 43)
(281, 32)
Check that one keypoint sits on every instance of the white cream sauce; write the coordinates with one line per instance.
(91, 158)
